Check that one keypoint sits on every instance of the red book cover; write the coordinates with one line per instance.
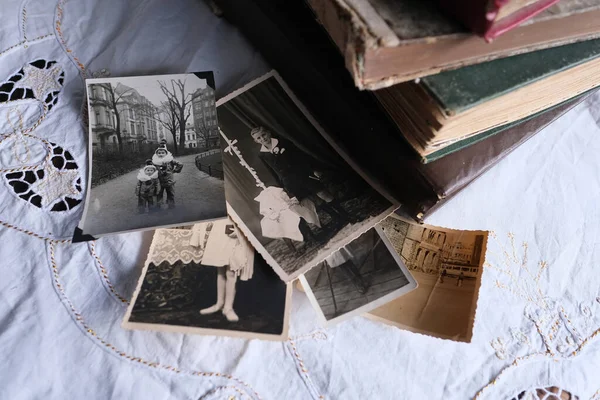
(491, 18)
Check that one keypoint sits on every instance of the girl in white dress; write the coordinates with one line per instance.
(228, 250)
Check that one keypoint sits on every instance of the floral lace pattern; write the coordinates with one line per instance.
(54, 187)
(40, 79)
(172, 245)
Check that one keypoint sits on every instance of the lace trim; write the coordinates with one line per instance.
(172, 245)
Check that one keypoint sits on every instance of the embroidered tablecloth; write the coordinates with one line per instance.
(62, 304)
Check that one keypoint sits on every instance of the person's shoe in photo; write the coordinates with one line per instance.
(211, 309)
(230, 315)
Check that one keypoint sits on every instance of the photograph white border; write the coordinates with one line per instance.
(86, 204)
(477, 289)
(126, 324)
(410, 286)
(248, 233)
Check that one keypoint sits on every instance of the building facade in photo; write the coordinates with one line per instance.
(205, 118)
(431, 251)
(137, 117)
(191, 141)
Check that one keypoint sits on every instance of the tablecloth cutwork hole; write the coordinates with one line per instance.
(56, 186)
(547, 393)
(80, 320)
(39, 79)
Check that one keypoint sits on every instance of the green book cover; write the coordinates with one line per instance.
(461, 89)
(462, 144)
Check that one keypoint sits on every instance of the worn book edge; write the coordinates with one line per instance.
(463, 144)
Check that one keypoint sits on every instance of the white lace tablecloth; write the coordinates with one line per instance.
(62, 304)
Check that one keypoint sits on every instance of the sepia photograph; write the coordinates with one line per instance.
(357, 278)
(207, 279)
(292, 194)
(155, 153)
(447, 264)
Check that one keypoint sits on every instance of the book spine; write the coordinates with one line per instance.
(343, 29)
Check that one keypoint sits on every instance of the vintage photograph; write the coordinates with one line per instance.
(357, 278)
(155, 153)
(447, 264)
(208, 279)
(289, 191)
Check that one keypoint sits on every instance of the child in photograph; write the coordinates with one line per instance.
(167, 166)
(147, 187)
(298, 174)
(459, 280)
(233, 256)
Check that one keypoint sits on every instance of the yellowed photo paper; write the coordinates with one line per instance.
(447, 264)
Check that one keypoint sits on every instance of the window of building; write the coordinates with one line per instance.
(132, 126)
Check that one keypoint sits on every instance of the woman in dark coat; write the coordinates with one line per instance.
(297, 172)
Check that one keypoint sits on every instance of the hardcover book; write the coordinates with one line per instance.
(385, 42)
(354, 119)
(453, 106)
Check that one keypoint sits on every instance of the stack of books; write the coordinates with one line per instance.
(423, 95)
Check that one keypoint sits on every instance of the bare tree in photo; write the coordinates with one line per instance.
(179, 105)
(203, 132)
(170, 121)
(111, 101)
(165, 115)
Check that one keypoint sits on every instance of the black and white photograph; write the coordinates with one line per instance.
(155, 153)
(207, 279)
(447, 264)
(294, 196)
(357, 278)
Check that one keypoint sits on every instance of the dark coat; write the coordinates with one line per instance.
(166, 171)
(147, 188)
(294, 169)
